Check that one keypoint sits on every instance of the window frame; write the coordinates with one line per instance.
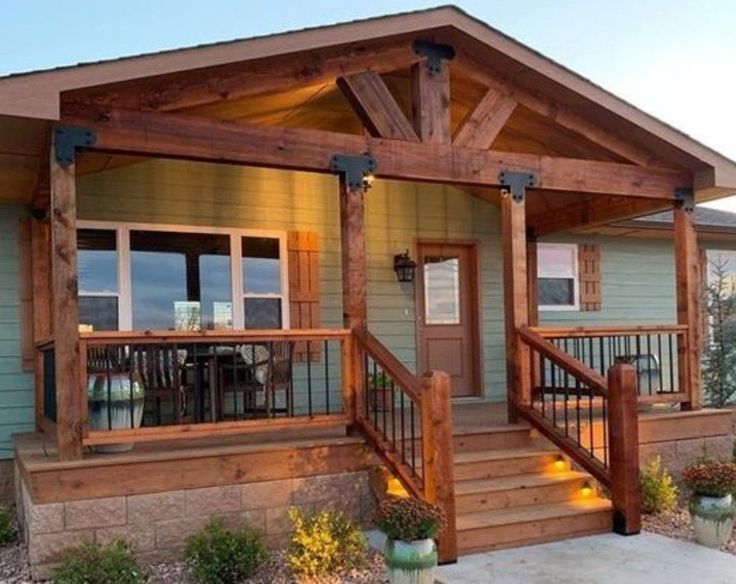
(125, 290)
(573, 249)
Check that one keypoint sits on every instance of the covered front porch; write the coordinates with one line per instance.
(284, 346)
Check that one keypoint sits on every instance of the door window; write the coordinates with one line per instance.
(441, 290)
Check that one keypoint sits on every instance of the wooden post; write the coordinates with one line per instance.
(354, 277)
(516, 304)
(688, 288)
(623, 440)
(438, 456)
(69, 394)
(347, 363)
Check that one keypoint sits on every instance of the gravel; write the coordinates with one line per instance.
(676, 524)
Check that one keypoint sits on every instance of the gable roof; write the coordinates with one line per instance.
(35, 95)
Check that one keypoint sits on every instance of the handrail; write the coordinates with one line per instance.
(563, 360)
(390, 363)
(595, 331)
(428, 473)
(591, 419)
(208, 336)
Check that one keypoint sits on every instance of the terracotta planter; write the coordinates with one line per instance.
(410, 562)
(712, 519)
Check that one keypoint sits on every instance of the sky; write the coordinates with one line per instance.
(675, 59)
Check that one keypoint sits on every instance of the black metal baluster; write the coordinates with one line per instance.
(672, 364)
(413, 437)
(383, 397)
(108, 376)
(590, 419)
(403, 431)
(327, 378)
(309, 377)
(393, 415)
(659, 362)
(129, 349)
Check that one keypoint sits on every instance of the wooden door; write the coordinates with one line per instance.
(448, 314)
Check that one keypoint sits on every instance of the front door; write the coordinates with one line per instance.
(447, 314)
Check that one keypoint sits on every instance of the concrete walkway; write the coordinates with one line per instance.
(600, 559)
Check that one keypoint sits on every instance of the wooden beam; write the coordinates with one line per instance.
(69, 394)
(561, 115)
(516, 304)
(431, 103)
(484, 122)
(197, 138)
(688, 293)
(230, 82)
(372, 101)
(591, 213)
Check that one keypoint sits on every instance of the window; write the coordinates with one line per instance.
(441, 290)
(180, 281)
(150, 277)
(99, 295)
(261, 268)
(557, 271)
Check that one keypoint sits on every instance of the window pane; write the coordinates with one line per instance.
(262, 313)
(556, 261)
(97, 261)
(442, 290)
(180, 280)
(261, 265)
(99, 312)
(556, 292)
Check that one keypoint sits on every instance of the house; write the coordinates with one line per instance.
(237, 262)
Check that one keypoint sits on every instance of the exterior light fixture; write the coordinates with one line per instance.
(586, 491)
(560, 464)
(404, 267)
(368, 180)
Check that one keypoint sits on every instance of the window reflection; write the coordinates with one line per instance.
(442, 290)
(97, 262)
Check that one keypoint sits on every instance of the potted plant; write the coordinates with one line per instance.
(712, 509)
(410, 526)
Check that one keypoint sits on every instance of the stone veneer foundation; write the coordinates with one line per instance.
(157, 525)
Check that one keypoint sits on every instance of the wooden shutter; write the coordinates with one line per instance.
(589, 274)
(304, 308)
(25, 294)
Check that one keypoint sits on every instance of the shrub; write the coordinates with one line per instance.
(711, 479)
(219, 556)
(94, 564)
(325, 543)
(410, 519)
(658, 490)
(7, 531)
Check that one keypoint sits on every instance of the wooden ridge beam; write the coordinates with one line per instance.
(199, 138)
(239, 80)
(484, 122)
(376, 107)
(591, 213)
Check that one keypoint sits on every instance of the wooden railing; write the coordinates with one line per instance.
(150, 386)
(593, 419)
(653, 350)
(408, 421)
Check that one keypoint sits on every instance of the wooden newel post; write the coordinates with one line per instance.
(438, 456)
(623, 430)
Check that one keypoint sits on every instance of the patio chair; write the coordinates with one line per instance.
(169, 391)
(257, 382)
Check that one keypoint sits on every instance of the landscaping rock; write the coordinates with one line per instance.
(676, 524)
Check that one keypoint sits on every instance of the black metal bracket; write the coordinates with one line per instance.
(686, 197)
(517, 183)
(435, 54)
(354, 169)
(66, 141)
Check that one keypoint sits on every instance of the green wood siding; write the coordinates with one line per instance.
(16, 387)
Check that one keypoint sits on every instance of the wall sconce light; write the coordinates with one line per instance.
(404, 267)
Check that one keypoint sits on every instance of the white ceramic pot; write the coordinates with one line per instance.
(712, 519)
(109, 406)
(410, 562)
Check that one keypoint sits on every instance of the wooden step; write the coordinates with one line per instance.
(491, 464)
(492, 438)
(518, 490)
(527, 525)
